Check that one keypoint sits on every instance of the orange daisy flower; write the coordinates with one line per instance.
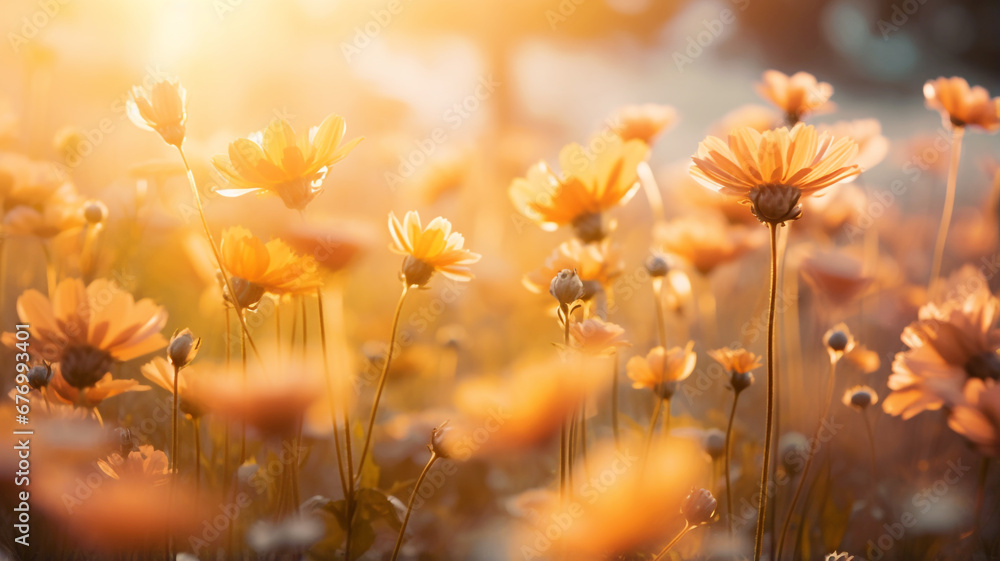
(280, 162)
(952, 341)
(772, 170)
(256, 267)
(738, 360)
(590, 185)
(977, 417)
(661, 369)
(91, 396)
(144, 464)
(193, 400)
(961, 105)
(87, 328)
(797, 95)
(594, 262)
(430, 249)
(595, 336)
(162, 108)
(706, 241)
(643, 122)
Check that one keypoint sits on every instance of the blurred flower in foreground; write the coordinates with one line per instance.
(661, 370)
(977, 418)
(757, 117)
(333, 243)
(872, 146)
(86, 329)
(162, 108)
(961, 105)
(797, 95)
(772, 170)
(644, 122)
(37, 199)
(836, 277)
(953, 340)
(620, 510)
(256, 267)
(591, 184)
(281, 162)
(429, 250)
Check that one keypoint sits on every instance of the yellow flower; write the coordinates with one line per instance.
(162, 108)
(255, 267)
(281, 162)
(797, 95)
(738, 360)
(961, 105)
(772, 170)
(594, 262)
(660, 370)
(434, 249)
(90, 396)
(87, 329)
(591, 184)
(643, 122)
(37, 199)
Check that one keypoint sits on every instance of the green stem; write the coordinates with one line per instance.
(409, 505)
(769, 419)
(949, 203)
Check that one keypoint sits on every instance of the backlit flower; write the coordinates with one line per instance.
(596, 336)
(91, 396)
(872, 146)
(161, 108)
(738, 363)
(836, 277)
(772, 170)
(797, 95)
(37, 199)
(431, 249)
(597, 263)
(256, 267)
(661, 369)
(88, 328)
(280, 162)
(977, 417)
(193, 399)
(757, 117)
(961, 105)
(705, 241)
(642, 122)
(592, 181)
(841, 344)
(144, 463)
(953, 340)
(860, 397)
(333, 244)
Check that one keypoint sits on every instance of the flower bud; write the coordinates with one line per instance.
(714, 443)
(740, 380)
(248, 294)
(860, 397)
(699, 507)
(566, 287)
(438, 445)
(657, 266)
(95, 212)
(39, 376)
(837, 341)
(182, 348)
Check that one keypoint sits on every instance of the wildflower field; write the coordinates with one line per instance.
(568, 280)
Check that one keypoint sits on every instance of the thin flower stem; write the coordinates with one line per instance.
(173, 458)
(984, 469)
(809, 457)
(583, 439)
(769, 419)
(329, 393)
(243, 423)
(571, 433)
(687, 528)
(381, 381)
(197, 458)
(215, 251)
(409, 505)
(661, 320)
(226, 444)
(871, 444)
(949, 203)
(649, 435)
(614, 401)
(665, 430)
(277, 330)
(729, 483)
